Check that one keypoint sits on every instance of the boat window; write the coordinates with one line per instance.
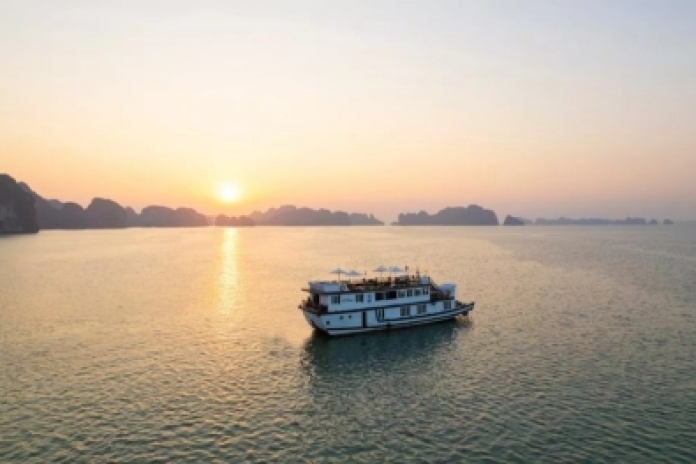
(409, 292)
(402, 294)
(391, 295)
(417, 292)
(380, 314)
(335, 299)
(425, 291)
(448, 305)
(359, 298)
(405, 311)
(379, 296)
(421, 309)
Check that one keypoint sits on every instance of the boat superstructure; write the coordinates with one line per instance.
(364, 305)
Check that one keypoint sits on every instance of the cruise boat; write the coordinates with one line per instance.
(343, 307)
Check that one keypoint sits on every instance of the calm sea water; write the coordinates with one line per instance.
(186, 345)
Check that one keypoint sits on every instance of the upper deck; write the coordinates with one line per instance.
(368, 285)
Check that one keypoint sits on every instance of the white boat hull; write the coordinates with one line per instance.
(369, 320)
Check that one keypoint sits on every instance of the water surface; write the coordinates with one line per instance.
(187, 345)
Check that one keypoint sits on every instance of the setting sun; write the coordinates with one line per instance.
(229, 193)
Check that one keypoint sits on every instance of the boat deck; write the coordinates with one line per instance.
(387, 283)
(380, 284)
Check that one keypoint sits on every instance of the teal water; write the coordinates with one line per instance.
(186, 345)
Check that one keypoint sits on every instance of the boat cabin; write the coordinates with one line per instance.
(345, 296)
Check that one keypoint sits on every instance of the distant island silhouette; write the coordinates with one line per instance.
(472, 215)
(103, 213)
(629, 221)
(17, 210)
(24, 211)
(231, 221)
(513, 221)
(290, 215)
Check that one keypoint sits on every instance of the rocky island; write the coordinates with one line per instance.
(103, 213)
(513, 221)
(629, 221)
(290, 215)
(472, 215)
(162, 216)
(231, 221)
(23, 210)
(17, 209)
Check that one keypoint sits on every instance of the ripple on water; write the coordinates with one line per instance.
(169, 346)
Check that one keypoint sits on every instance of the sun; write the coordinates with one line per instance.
(229, 192)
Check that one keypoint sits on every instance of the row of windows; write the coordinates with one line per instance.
(380, 296)
(359, 298)
(416, 292)
(405, 311)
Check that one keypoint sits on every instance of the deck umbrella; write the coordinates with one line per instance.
(396, 270)
(339, 271)
(353, 273)
(381, 269)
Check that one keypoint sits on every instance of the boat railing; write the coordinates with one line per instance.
(437, 294)
(386, 282)
(312, 306)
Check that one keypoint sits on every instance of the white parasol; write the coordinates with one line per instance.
(338, 271)
(353, 273)
(396, 270)
(381, 270)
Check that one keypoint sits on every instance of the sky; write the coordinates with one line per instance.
(531, 108)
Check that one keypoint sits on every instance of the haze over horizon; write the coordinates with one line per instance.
(528, 108)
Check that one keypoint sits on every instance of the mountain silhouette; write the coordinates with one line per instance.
(290, 215)
(162, 216)
(103, 213)
(513, 221)
(472, 215)
(564, 221)
(17, 208)
(231, 221)
(23, 210)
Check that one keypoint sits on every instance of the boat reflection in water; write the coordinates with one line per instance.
(385, 352)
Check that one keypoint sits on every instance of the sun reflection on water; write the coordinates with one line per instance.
(228, 281)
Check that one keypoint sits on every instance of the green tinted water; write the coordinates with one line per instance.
(187, 345)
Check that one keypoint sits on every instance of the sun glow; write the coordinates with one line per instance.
(229, 193)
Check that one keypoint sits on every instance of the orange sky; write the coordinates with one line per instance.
(553, 109)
